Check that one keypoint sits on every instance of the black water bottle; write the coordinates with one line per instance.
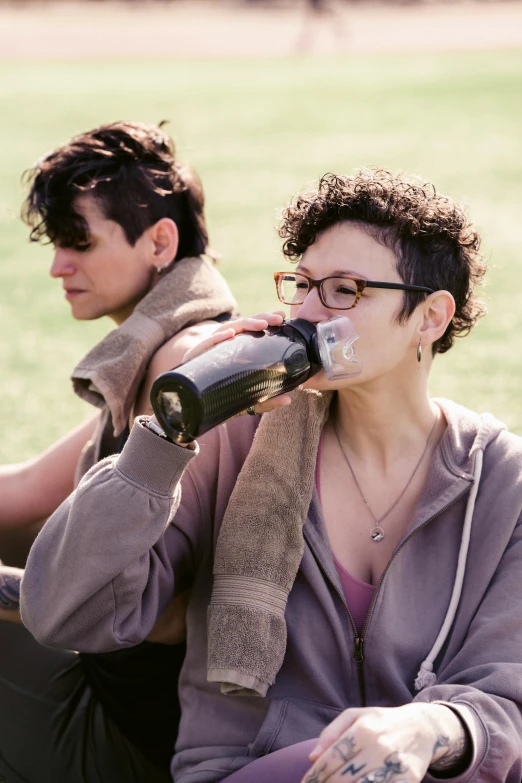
(233, 375)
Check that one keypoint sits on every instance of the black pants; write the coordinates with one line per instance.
(53, 729)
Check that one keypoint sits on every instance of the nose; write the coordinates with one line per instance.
(312, 309)
(63, 264)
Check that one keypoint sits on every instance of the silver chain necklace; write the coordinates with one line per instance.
(377, 533)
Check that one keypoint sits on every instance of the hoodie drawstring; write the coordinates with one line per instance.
(426, 676)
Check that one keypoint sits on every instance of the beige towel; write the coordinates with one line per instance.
(112, 371)
(260, 547)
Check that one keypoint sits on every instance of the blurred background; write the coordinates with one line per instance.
(262, 98)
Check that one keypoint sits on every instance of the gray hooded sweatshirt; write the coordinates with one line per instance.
(106, 564)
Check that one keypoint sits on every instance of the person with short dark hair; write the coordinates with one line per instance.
(435, 242)
(126, 220)
(354, 554)
(131, 170)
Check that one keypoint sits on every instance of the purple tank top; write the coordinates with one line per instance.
(358, 594)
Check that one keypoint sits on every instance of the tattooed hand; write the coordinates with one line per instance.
(10, 579)
(388, 745)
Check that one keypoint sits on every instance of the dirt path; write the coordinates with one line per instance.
(213, 28)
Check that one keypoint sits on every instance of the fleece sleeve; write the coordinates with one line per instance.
(107, 562)
(483, 682)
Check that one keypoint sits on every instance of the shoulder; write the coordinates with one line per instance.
(509, 443)
(470, 431)
(171, 353)
(168, 356)
(503, 457)
(501, 476)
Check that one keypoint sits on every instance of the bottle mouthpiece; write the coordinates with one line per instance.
(335, 340)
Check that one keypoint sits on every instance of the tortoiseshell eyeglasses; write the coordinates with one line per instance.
(336, 293)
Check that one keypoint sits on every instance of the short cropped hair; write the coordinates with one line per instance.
(130, 168)
(432, 237)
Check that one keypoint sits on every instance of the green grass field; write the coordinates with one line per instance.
(258, 131)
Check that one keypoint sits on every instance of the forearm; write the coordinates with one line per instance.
(98, 575)
(11, 616)
(19, 506)
(31, 491)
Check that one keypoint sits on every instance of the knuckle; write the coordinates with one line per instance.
(365, 729)
(385, 746)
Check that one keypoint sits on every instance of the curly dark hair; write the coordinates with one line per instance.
(432, 237)
(130, 168)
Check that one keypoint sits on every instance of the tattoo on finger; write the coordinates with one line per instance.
(390, 771)
(346, 748)
(353, 769)
(316, 775)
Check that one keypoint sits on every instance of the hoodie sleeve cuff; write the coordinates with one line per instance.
(478, 736)
(152, 462)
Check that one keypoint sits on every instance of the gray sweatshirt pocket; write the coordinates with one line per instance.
(289, 721)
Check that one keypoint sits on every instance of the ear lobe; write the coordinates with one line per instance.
(439, 309)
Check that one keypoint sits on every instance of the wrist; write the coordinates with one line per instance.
(451, 748)
(152, 424)
(152, 462)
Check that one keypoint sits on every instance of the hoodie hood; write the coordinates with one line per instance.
(467, 432)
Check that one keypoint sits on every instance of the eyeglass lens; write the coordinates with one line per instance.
(338, 292)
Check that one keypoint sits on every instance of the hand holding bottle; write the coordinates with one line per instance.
(229, 330)
(250, 364)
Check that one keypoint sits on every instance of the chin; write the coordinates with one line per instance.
(83, 314)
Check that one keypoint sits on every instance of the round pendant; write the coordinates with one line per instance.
(377, 533)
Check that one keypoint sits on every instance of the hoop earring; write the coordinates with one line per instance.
(419, 351)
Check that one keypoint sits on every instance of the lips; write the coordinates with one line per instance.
(71, 293)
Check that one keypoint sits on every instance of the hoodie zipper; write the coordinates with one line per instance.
(358, 641)
(358, 649)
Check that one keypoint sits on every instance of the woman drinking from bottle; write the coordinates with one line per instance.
(353, 554)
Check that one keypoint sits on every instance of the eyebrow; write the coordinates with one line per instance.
(336, 273)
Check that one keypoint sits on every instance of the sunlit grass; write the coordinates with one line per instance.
(257, 131)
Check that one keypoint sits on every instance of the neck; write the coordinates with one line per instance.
(383, 422)
(121, 315)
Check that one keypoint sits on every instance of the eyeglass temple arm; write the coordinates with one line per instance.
(399, 286)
